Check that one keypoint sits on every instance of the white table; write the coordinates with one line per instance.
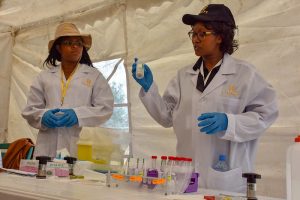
(14, 187)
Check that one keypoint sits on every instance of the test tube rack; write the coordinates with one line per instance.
(137, 181)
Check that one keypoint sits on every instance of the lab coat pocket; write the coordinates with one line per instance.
(230, 105)
(228, 181)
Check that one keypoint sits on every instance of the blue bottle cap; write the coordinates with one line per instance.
(222, 157)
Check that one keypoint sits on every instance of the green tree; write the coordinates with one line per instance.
(119, 119)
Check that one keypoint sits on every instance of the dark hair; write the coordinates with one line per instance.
(54, 55)
(228, 45)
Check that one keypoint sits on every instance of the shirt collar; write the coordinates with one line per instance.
(200, 64)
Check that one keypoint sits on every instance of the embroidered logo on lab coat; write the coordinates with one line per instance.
(231, 91)
(87, 82)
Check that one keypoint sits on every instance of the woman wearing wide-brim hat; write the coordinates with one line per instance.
(68, 95)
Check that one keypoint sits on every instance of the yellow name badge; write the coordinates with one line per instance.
(87, 82)
(231, 91)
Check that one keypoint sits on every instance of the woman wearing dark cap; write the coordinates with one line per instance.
(219, 106)
(67, 96)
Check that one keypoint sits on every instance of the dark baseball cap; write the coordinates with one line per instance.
(211, 13)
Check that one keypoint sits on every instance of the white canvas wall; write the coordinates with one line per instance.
(269, 36)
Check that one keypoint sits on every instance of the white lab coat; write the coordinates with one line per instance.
(89, 95)
(237, 90)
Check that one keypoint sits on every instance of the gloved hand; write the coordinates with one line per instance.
(147, 80)
(49, 118)
(213, 122)
(68, 118)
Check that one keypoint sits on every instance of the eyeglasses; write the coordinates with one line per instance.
(72, 43)
(199, 35)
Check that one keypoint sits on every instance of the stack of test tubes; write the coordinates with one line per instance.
(172, 176)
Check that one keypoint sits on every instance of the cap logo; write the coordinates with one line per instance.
(204, 11)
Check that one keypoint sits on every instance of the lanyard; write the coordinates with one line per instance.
(65, 86)
(202, 70)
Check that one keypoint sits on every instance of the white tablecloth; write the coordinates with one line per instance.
(27, 188)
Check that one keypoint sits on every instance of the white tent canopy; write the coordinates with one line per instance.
(269, 37)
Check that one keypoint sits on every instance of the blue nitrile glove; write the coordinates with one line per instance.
(49, 118)
(68, 118)
(213, 122)
(147, 80)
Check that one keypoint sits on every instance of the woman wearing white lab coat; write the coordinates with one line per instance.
(68, 95)
(223, 113)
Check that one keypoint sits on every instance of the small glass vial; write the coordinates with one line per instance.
(42, 166)
(71, 161)
(139, 69)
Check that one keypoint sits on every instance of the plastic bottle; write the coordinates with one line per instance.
(221, 165)
(293, 171)
(139, 69)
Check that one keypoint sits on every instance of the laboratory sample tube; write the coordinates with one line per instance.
(181, 161)
(137, 167)
(175, 161)
(170, 164)
(139, 69)
(170, 175)
(152, 172)
(127, 166)
(144, 172)
(189, 161)
(153, 162)
(71, 162)
(163, 163)
(141, 168)
(42, 166)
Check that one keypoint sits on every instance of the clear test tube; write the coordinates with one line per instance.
(163, 163)
(189, 161)
(170, 175)
(163, 166)
(144, 173)
(142, 168)
(139, 69)
(137, 167)
(170, 164)
(152, 171)
(153, 162)
(178, 161)
(127, 167)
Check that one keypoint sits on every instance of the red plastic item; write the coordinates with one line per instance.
(164, 157)
(297, 139)
(209, 197)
